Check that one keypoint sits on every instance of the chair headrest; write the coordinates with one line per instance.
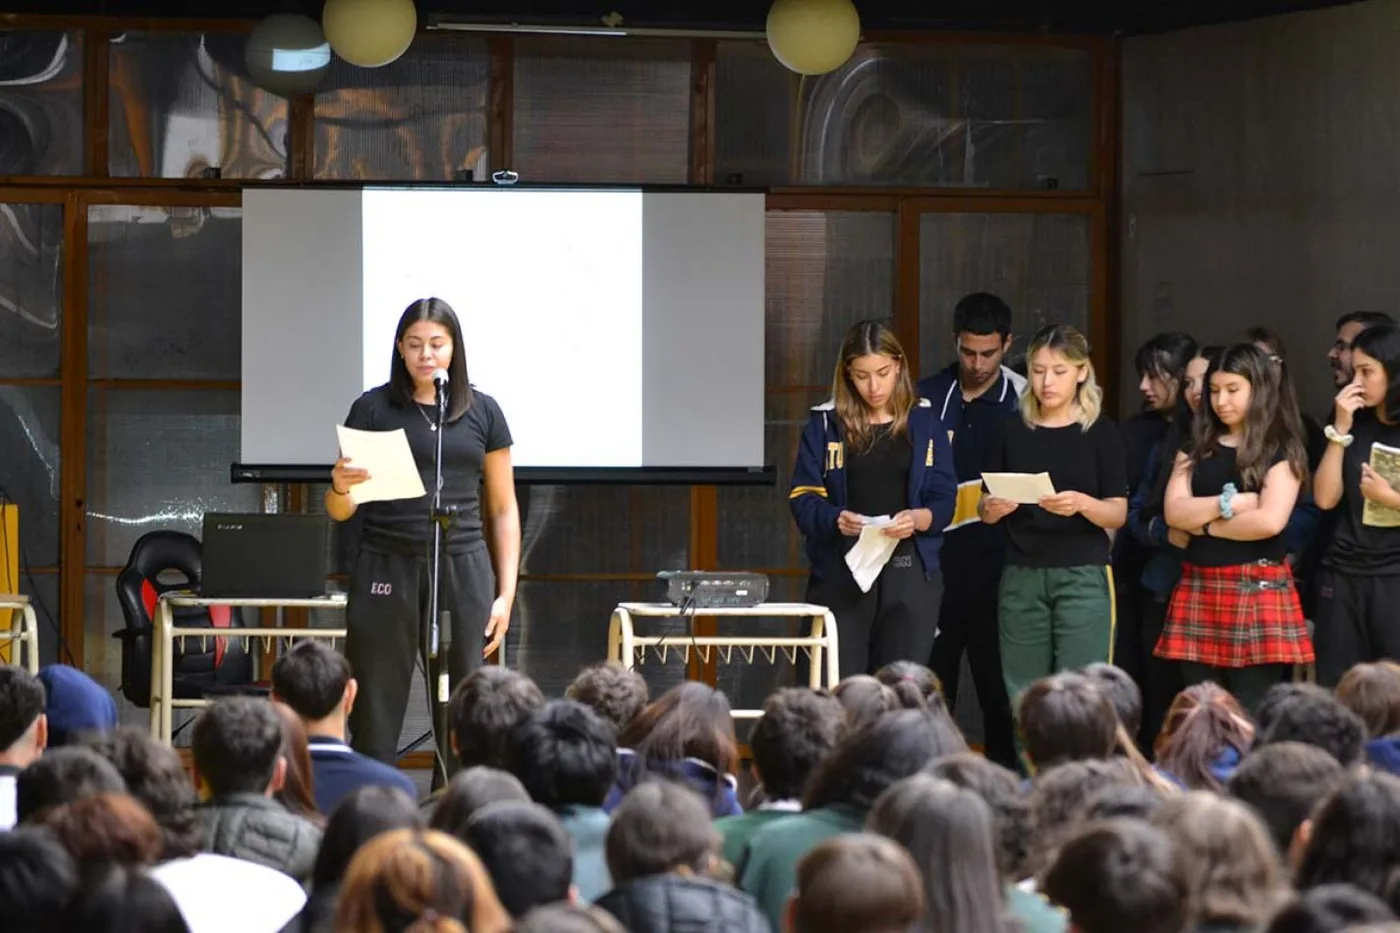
(158, 552)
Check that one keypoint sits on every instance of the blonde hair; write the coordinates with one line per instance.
(867, 338)
(418, 881)
(1074, 347)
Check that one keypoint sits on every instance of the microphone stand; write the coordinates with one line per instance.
(439, 620)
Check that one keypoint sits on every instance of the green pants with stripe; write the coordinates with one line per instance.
(1053, 619)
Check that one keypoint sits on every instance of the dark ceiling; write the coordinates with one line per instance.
(1072, 16)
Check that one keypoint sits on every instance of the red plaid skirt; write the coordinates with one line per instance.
(1236, 616)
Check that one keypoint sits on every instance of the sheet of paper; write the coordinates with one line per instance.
(1024, 488)
(871, 551)
(387, 457)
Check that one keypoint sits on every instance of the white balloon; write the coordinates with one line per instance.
(288, 54)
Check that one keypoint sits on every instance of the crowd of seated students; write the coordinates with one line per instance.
(609, 810)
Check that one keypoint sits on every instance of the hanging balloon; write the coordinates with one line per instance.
(287, 54)
(813, 37)
(369, 33)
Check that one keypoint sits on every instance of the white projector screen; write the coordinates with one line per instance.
(617, 328)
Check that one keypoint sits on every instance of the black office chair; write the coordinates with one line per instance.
(220, 665)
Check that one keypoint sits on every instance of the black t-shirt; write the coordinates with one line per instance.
(1358, 548)
(877, 480)
(1092, 462)
(1208, 478)
(402, 526)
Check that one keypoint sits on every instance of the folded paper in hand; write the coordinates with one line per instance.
(871, 552)
(1022, 488)
(393, 474)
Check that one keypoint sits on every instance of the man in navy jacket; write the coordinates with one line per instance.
(314, 680)
(973, 397)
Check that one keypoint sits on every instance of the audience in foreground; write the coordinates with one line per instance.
(868, 816)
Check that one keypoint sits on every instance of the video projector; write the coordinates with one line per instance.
(695, 590)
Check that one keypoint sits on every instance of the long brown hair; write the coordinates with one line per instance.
(1202, 721)
(691, 720)
(1272, 426)
(870, 338)
(1233, 871)
(298, 787)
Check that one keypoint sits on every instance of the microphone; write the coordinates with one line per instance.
(440, 378)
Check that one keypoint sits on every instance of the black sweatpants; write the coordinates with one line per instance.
(1162, 677)
(896, 621)
(1358, 619)
(387, 635)
(968, 622)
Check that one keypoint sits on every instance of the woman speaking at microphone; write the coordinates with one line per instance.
(387, 615)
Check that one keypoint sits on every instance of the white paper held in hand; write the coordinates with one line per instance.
(871, 551)
(1021, 488)
(387, 457)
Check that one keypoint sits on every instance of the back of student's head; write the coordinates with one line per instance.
(469, 791)
(1120, 875)
(418, 881)
(614, 692)
(37, 878)
(565, 754)
(485, 709)
(864, 699)
(527, 852)
(948, 833)
(1315, 717)
(869, 760)
(311, 678)
(124, 900)
(798, 730)
(363, 814)
(21, 706)
(691, 720)
(237, 743)
(856, 883)
(1231, 864)
(1267, 710)
(1283, 783)
(1372, 691)
(155, 776)
(1355, 836)
(1001, 790)
(104, 830)
(1066, 717)
(76, 705)
(1203, 723)
(660, 827)
(62, 776)
(1059, 799)
(568, 918)
(1330, 908)
(914, 685)
(1123, 801)
(1122, 692)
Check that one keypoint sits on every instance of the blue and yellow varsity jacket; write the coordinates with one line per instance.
(818, 492)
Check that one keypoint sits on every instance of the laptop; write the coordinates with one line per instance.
(251, 556)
